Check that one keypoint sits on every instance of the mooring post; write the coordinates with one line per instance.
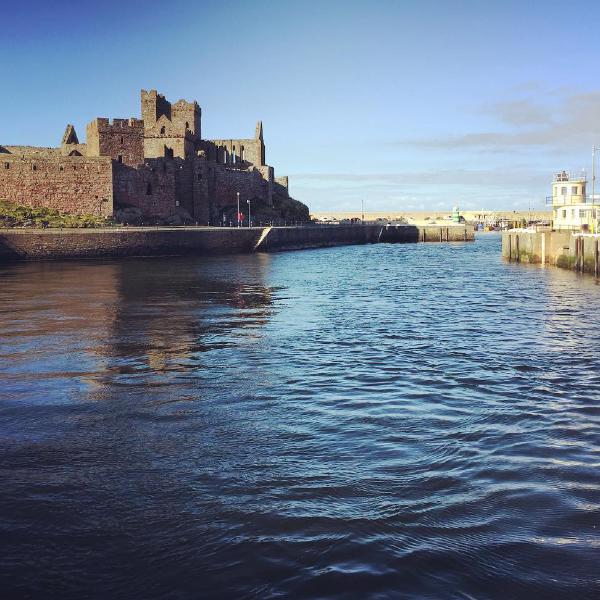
(543, 249)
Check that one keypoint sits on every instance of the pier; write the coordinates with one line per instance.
(565, 249)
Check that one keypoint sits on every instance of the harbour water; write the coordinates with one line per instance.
(387, 421)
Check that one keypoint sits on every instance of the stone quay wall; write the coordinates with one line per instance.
(38, 244)
(557, 248)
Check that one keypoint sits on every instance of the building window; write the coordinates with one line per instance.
(243, 153)
(572, 213)
(563, 191)
(121, 140)
(7, 165)
(187, 125)
(564, 214)
(162, 130)
(120, 158)
(199, 176)
(582, 214)
(149, 190)
(176, 202)
(33, 167)
(574, 190)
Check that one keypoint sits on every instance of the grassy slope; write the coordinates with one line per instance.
(15, 215)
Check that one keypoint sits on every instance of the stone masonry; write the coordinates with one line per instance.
(158, 167)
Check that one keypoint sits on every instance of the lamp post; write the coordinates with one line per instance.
(594, 148)
(237, 216)
(249, 221)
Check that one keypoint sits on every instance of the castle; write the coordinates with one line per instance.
(158, 167)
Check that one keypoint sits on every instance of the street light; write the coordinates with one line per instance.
(249, 221)
(237, 216)
(594, 149)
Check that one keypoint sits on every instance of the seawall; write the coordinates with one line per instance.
(558, 248)
(40, 244)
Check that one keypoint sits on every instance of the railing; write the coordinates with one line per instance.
(566, 176)
(572, 199)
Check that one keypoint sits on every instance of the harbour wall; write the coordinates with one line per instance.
(558, 248)
(45, 244)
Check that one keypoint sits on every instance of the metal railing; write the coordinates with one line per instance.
(566, 176)
(572, 199)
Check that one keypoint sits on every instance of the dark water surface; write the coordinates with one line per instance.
(389, 421)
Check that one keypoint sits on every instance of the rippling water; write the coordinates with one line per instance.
(389, 421)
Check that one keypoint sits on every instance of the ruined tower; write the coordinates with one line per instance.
(171, 130)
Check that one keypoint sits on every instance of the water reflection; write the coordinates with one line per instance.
(361, 421)
(131, 321)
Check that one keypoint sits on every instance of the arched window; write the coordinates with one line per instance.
(162, 130)
(149, 190)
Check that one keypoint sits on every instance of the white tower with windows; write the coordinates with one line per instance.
(572, 208)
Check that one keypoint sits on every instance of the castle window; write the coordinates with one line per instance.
(162, 130)
(187, 125)
(120, 158)
(149, 190)
(33, 167)
(61, 168)
(121, 139)
(7, 165)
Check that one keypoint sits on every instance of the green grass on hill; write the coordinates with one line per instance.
(16, 215)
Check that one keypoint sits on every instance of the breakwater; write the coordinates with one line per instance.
(40, 244)
(558, 248)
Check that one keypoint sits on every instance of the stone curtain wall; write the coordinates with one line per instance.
(227, 182)
(76, 185)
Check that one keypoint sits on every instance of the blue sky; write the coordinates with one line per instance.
(409, 105)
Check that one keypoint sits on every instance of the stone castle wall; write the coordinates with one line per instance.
(71, 184)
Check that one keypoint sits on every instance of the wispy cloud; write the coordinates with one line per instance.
(517, 174)
(573, 122)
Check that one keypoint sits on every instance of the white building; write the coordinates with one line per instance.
(572, 208)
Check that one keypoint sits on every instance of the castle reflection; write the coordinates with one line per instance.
(133, 318)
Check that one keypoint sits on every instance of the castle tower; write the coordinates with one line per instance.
(121, 139)
(258, 136)
(170, 130)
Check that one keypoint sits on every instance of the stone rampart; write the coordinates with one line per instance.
(76, 184)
